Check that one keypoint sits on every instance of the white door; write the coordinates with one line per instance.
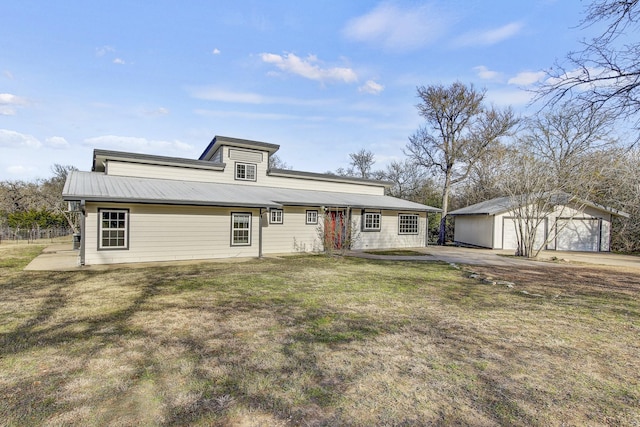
(510, 238)
(578, 234)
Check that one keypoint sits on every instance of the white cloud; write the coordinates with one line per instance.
(119, 61)
(212, 93)
(103, 50)
(130, 143)
(489, 37)
(215, 51)
(526, 78)
(371, 87)
(13, 139)
(9, 102)
(57, 142)
(396, 28)
(486, 74)
(308, 68)
(8, 74)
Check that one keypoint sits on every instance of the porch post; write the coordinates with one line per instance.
(83, 236)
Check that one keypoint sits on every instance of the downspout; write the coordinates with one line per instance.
(260, 234)
(349, 235)
(83, 237)
(426, 230)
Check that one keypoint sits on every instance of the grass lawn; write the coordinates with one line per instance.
(315, 340)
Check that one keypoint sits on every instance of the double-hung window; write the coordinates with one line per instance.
(408, 224)
(312, 217)
(276, 216)
(113, 229)
(240, 229)
(245, 171)
(371, 221)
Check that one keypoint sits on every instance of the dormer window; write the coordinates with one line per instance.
(245, 171)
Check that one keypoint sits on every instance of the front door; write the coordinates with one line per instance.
(335, 230)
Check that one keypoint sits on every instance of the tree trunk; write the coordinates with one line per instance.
(445, 209)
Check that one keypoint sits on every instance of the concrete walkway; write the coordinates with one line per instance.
(56, 257)
(60, 257)
(474, 256)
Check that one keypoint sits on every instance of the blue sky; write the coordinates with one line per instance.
(321, 79)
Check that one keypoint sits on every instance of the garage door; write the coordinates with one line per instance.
(509, 236)
(578, 234)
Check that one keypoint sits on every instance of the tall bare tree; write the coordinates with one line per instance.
(459, 130)
(605, 74)
(362, 163)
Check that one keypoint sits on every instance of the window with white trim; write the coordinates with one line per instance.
(371, 221)
(246, 171)
(113, 229)
(408, 224)
(276, 216)
(240, 229)
(312, 217)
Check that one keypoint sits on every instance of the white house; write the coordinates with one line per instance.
(570, 227)
(228, 203)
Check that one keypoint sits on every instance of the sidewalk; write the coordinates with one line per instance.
(56, 257)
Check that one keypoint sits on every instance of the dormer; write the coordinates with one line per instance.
(239, 148)
(249, 159)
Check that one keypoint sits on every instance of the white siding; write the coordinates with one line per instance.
(293, 235)
(474, 230)
(246, 155)
(166, 233)
(228, 177)
(388, 236)
(164, 172)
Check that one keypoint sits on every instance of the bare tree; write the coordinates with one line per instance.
(459, 130)
(566, 137)
(362, 162)
(50, 195)
(407, 179)
(620, 187)
(484, 179)
(552, 172)
(275, 162)
(605, 74)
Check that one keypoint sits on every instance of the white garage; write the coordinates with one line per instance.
(491, 224)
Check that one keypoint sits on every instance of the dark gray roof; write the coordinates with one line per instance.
(219, 140)
(92, 186)
(503, 204)
(99, 156)
(326, 177)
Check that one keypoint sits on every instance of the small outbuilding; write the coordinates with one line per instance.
(570, 226)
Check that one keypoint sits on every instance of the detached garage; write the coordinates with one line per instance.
(492, 224)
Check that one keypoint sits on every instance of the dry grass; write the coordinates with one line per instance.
(316, 340)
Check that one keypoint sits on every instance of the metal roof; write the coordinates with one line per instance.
(327, 177)
(92, 186)
(488, 207)
(503, 204)
(100, 156)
